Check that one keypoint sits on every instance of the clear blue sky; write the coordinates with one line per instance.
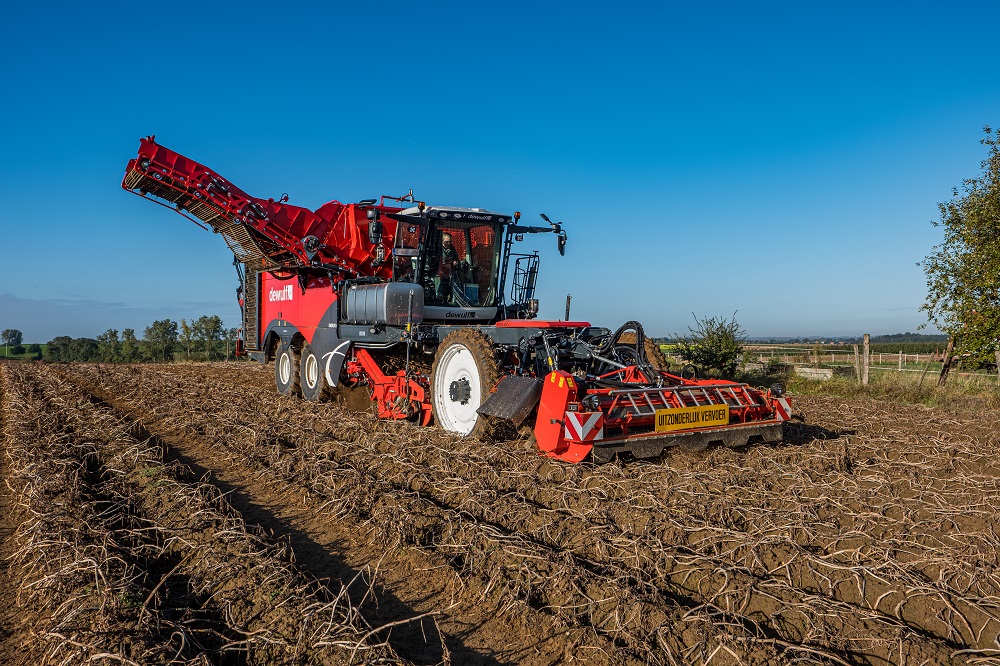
(782, 160)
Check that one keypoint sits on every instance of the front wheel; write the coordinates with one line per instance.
(463, 374)
(310, 376)
(286, 370)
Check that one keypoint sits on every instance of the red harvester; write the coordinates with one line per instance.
(413, 301)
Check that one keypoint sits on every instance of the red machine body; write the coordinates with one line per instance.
(283, 300)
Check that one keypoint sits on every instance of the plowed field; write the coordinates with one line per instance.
(188, 514)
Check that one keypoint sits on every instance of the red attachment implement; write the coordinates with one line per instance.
(395, 396)
(641, 419)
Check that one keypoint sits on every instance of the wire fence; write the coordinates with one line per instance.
(850, 360)
(902, 361)
(794, 356)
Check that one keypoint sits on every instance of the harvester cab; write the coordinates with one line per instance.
(460, 257)
(414, 303)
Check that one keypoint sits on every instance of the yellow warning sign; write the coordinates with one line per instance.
(684, 418)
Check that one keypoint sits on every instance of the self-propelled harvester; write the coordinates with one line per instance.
(434, 311)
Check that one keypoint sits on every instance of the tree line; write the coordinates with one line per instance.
(201, 339)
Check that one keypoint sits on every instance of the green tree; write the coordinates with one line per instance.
(161, 337)
(963, 271)
(714, 342)
(11, 338)
(83, 349)
(35, 350)
(58, 348)
(208, 330)
(109, 347)
(130, 350)
(66, 349)
(186, 338)
(230, 335)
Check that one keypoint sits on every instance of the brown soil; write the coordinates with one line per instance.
(122, 556)
(402, 583)
(12, 632)
(868, 537)
(391, 585)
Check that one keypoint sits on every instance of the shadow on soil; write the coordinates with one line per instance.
(419, 641)
(798, 433)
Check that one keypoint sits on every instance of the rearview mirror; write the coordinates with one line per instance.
(374, 227)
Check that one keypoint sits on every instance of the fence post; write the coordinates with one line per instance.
(857, 364)
(946, 363)
(901, 360)
(866, 359)
(924, 374)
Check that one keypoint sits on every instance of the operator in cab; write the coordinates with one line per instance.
(446, 267)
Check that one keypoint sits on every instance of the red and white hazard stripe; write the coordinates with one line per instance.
(782, 408)
(584, 426)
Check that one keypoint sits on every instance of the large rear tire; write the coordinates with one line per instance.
(463, 374)
(310, 376)
(286, 370)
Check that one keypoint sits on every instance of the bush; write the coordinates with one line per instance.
(714, 343)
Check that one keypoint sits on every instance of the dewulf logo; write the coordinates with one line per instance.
(283, 294)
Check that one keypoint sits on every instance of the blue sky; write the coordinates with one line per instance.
(781, 160)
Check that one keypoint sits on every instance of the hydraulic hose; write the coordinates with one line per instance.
(607, 348)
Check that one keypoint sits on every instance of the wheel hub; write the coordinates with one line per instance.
(456, 389)
(312, 371)
(284, 368)
(460, 391)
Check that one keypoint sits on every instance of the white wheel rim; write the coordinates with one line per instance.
(284, 368)
(312, 371)
(457, 363)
